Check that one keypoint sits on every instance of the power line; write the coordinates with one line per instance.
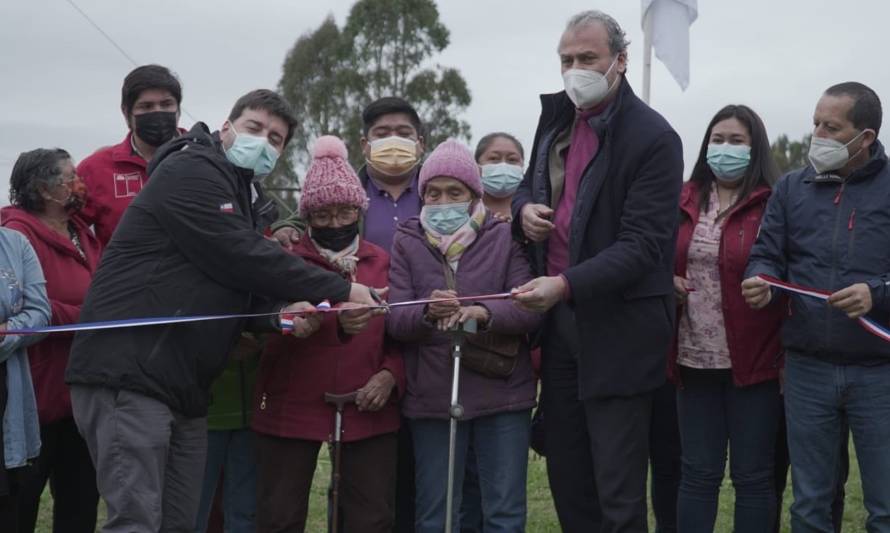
(114, 44)
(100, 30)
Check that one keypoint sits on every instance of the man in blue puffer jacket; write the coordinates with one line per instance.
(827, 226)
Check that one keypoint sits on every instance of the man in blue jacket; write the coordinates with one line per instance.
(599, 205)
(827, 226)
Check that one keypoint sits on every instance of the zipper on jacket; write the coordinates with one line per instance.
(852, 221)
(263, 402)
(840, 193)
(838, 202)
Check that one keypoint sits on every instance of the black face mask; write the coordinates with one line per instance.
(155, 128)
(335, 239)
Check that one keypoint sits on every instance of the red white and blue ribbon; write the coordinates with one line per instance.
(869, 324)
(286, 319)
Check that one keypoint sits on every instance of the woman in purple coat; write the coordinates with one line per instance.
(457, 248)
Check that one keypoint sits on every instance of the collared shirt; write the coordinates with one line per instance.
(583, 148)
(385, 213)
(701, 337)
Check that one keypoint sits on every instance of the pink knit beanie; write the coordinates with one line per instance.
(330, 179)
(452, 159)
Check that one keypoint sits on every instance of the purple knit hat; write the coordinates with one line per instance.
(330, 179)
(452, 159)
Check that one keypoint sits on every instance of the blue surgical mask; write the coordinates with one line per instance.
(501, 179)
(252, 152)
(444, 219)
(729, 161)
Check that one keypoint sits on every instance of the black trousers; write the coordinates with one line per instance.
(597, 449)
(65, 462)
(405, 491)
(664, 456)
(285, 468)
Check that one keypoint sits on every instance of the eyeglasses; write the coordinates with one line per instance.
(344, 215)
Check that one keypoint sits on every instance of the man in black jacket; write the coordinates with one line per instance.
(827, 226)
(599, 205)
(187, 245)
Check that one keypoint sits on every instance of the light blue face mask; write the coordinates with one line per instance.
(253, 153)
(729, 161)
(501, 179)
(444, 219)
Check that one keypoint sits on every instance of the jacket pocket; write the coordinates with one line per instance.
(654, 284)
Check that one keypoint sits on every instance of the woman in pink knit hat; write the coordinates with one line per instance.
(457, 248)
(291, 417)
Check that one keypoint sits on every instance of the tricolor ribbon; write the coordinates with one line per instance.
(286, 318)
(870, 325)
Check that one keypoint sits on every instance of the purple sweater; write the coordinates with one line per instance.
(493, 263)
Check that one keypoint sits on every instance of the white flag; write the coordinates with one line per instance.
(669, 22)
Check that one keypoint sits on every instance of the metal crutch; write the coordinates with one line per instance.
(339, 401)
(455, 411)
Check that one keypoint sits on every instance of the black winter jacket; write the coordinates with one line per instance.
(829, 233)
(187, 245)
(621, 241)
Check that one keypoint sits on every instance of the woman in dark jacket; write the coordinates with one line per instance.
(457, 248)
(46, 197)
(726, 357)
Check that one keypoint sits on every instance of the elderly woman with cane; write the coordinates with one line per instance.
(457, 249)
(340, 382)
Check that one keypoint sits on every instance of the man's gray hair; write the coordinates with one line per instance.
(617, 39)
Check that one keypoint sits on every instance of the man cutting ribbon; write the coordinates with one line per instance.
(827, 227)
(187, 245)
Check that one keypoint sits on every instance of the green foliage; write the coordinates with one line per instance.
(385, 48)
(790, 155)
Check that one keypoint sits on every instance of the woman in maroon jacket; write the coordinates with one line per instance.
(291, 417)
(46, 196)
(726, 357)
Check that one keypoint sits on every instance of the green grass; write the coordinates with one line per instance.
(541, 515)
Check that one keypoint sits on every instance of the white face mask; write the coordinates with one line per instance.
(587, 88)
(828, 154)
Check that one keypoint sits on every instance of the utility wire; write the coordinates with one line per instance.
(100, 30)
(114, 44)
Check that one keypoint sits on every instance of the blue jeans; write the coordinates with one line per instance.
(231, 454)
(714, 413)
(500, 442)
(818, 396)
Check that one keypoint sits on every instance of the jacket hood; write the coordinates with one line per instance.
(18, 215)
(199, 135)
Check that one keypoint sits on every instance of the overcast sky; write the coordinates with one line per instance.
(60, 82)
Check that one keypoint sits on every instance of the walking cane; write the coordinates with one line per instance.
(455, 412)
(339, 401)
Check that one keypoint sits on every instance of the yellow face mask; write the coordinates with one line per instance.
(393, 156)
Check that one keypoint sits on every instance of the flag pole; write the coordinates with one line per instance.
(647, 54)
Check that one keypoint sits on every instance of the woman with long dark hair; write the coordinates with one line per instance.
(726, 357)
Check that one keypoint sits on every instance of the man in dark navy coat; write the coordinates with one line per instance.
(599, 208)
